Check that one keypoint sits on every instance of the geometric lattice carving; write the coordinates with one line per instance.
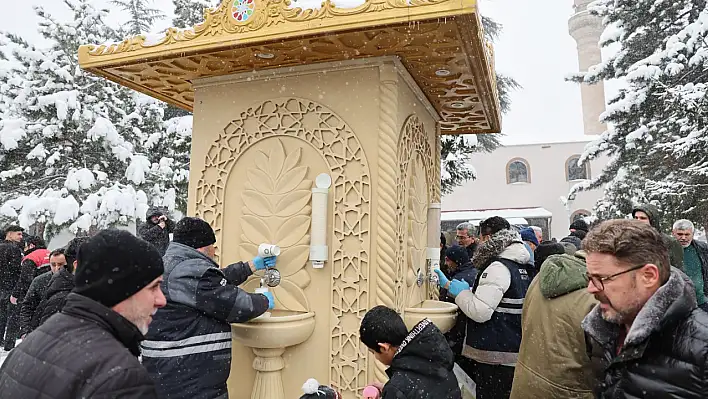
(321, 128)
(412, 144)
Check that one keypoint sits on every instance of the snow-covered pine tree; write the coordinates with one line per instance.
(75, 149)
(657, 141)
(190, 12)
(141, 16)
(456, 150)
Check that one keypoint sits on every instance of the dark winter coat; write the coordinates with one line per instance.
(86, 351)
(665, 353)
(153, 233)
(10, 261)
(422, 367)
(54, 299)
(675, 248)
(702, 249)
(29, 317)
(465, 271)
(35, 262)
(552, 360)
(188, 346)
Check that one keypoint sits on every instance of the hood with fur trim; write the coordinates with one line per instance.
(673, 300)
(505, 244)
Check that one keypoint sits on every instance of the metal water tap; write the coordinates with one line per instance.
(271, 278)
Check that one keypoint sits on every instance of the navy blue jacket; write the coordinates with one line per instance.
(464, 271)
(188, 347)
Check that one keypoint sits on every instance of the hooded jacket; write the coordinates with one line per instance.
(86, 351)
(153, 233)
(665, 352)
(552, 362)
(487, 299)
(675, 248)
(188, 346)
(422, 367)
(464, 271)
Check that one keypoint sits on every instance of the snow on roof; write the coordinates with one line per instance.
(509, 214)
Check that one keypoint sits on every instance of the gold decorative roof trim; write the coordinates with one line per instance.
(164, 66)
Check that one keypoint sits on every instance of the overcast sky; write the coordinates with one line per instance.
(535, 49)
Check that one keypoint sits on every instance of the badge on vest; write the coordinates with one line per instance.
(524, 274)
(223, 282)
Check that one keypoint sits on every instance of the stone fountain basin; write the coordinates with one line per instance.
(442, 314)
(275, 329)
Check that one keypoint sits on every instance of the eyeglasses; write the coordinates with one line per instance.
(599, 282)
(462, 237)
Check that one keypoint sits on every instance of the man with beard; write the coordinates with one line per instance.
(493, 307)
(646, 337)
(465, 237)
(695, 259)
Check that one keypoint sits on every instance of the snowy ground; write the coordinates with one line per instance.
(3, 355)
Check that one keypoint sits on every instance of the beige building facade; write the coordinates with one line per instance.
(526, 184)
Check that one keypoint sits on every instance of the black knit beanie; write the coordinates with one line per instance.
(193, 232)
(113, 265)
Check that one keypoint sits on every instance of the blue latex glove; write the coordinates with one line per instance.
(262, 263)
(441, 277)
(457, 286)
(271, 299)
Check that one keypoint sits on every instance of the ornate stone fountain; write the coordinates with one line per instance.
(318, 130)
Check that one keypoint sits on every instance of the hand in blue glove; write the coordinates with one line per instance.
(271, 299)
(262, 263)
(441, 277)
(457, 286)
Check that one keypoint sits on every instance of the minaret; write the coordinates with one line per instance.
(586, 30)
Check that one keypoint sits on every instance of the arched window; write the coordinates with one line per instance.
(518, 171)
(573, 171)
(579, 214)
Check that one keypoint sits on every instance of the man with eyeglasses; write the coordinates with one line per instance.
(465, 237)
(646, 337)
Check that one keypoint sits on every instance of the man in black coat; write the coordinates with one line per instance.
(157, 229)
(646, 337)
(420, 361)
(91, 348)
(10, 261)
(36, 291)
(34, 263)
(60, 285)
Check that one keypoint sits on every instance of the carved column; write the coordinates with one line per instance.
(269, 382)
(434, 292)
(386, 213)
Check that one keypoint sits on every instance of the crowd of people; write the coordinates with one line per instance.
(613, 311)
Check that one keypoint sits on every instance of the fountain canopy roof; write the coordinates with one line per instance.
(440, 42)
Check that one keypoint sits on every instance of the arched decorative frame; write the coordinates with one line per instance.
(567, 168)
(525, 163)
(578, 214)
(350, 214)
(413, 140)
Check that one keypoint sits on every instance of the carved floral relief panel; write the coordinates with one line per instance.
(275, 200)
(276, 210)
